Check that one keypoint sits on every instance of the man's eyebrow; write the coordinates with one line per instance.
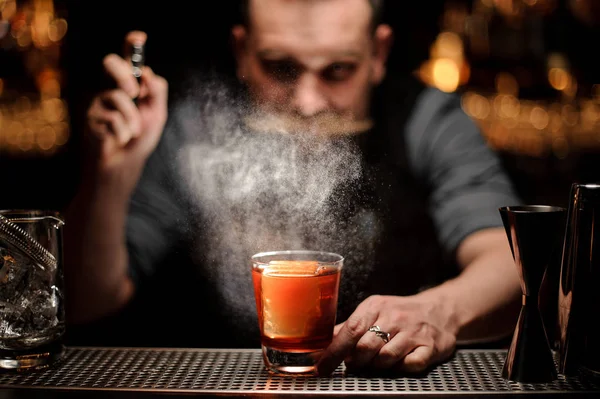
(270, 53)
(351, 54)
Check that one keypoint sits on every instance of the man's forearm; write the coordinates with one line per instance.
(96, 258)
(484, 300)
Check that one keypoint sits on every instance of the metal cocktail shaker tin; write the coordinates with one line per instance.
(579, 288)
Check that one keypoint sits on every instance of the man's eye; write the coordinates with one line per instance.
(339, 71)
(283, 71)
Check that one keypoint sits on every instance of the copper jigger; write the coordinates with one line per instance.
(534, 233)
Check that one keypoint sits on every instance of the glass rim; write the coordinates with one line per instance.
(32, 214)
(530, 208)
(587, 185)
(337, 258)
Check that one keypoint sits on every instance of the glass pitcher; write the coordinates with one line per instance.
(32, 321)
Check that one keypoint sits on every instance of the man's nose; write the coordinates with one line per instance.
(308, 98)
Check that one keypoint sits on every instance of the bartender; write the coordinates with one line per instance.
(160, 232)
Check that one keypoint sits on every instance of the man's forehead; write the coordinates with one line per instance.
(322, 22)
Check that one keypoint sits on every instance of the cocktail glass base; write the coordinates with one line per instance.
(291, 362)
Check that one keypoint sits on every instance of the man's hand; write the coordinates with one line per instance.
(480, 304)
(422, 333)
(122, 134)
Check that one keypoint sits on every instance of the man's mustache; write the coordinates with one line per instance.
(326, 123)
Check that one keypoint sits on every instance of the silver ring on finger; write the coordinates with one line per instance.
(385, 336)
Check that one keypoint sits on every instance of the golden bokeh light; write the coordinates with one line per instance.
(46, 138)
(539, 118)
(25, 139)
(559, 78)
(9, 9)
(40, 27)
(447, 67)
(54, 110)
(476, 105)
(556, 123)
(24, 39)
(446, 75)
(569, 114)
(57, 29)
(448, 45)
(12, 131)
(62, 133)
(509, 106)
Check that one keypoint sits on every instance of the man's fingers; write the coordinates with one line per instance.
(394, 351)
(120, 101)
(337, 328)
(105, 122)
(418, 360)
(365, 351)
(155, 88)
(345, 341)
(118, 127)
(120, 70)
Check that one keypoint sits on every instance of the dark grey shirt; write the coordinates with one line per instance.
(448, 151)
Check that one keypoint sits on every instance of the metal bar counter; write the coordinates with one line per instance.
(155, 372)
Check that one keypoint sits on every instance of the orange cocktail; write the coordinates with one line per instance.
(296, 299)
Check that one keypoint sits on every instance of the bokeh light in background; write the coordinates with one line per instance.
(566, 120)
(34, 119)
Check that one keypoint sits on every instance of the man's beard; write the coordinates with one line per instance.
(329, 124)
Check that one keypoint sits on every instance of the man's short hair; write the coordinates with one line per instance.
(376, 7)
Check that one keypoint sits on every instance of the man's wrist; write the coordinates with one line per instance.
(118, 183)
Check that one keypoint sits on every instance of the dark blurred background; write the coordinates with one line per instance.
(527, 72)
